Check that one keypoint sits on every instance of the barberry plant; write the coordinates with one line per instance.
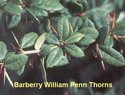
(67, 29)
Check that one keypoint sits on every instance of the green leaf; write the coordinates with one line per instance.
(109, 41)
(63, 28)
(103, 33)
(55, 57)
(12, 8)
(74, 50)
(34, 2)
(8, 54)
(40, 41)
(74, 38)
(90, 34)
(32, 16)
(15, 61)
(74, 7)
(76, 23)
(63, 61)
(99, 15)
(13, 20)
(38, 12)
(84, 4)
(51, 39)
(119, 29)
(28, 39)
(3, 50)
(47, 27)
(49, 5)
(45, 50)
(88, 23)
(43, 71)
(112, 56)
(21, 70)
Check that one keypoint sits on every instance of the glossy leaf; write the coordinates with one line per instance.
(45, 50)
(54, 57)
(119, 29)
(112, 56)
(16, 61)
(84, 4)
(90, 34)
(51, 39)
(103, 33)
(75, 6)
(3, 50)
(21, 70)
(88, 23)
(74, 50)
(47, 27)
(43, 71)
(76, 23)
(49, 5)
(13, 21)
(38, 12)
(34, 2)
(40, 41)
(109, 41)
(74, 38)
(28, 39)
(98, 15)
(32, 16)
(12, 8)
(63, 28)
(63, 61)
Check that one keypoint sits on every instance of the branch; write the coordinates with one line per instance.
(121, 37)
(29, 52)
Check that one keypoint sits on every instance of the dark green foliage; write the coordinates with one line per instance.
(3, 50)
(64, 29)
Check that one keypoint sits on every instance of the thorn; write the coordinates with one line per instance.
(65, 53)
(1, 67)
(113, 23)
(12, 45)
(54, 47)
(100, 54)
(121, 51)
(51, 11)
(26, 21)
(4, 75)
(103, 64)
(97, 48)
(31, 4)
(15, 39)
(71, 27)
(10, 81)
(54, 30)
(49, 21)
(43, 61)
(116, 38)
